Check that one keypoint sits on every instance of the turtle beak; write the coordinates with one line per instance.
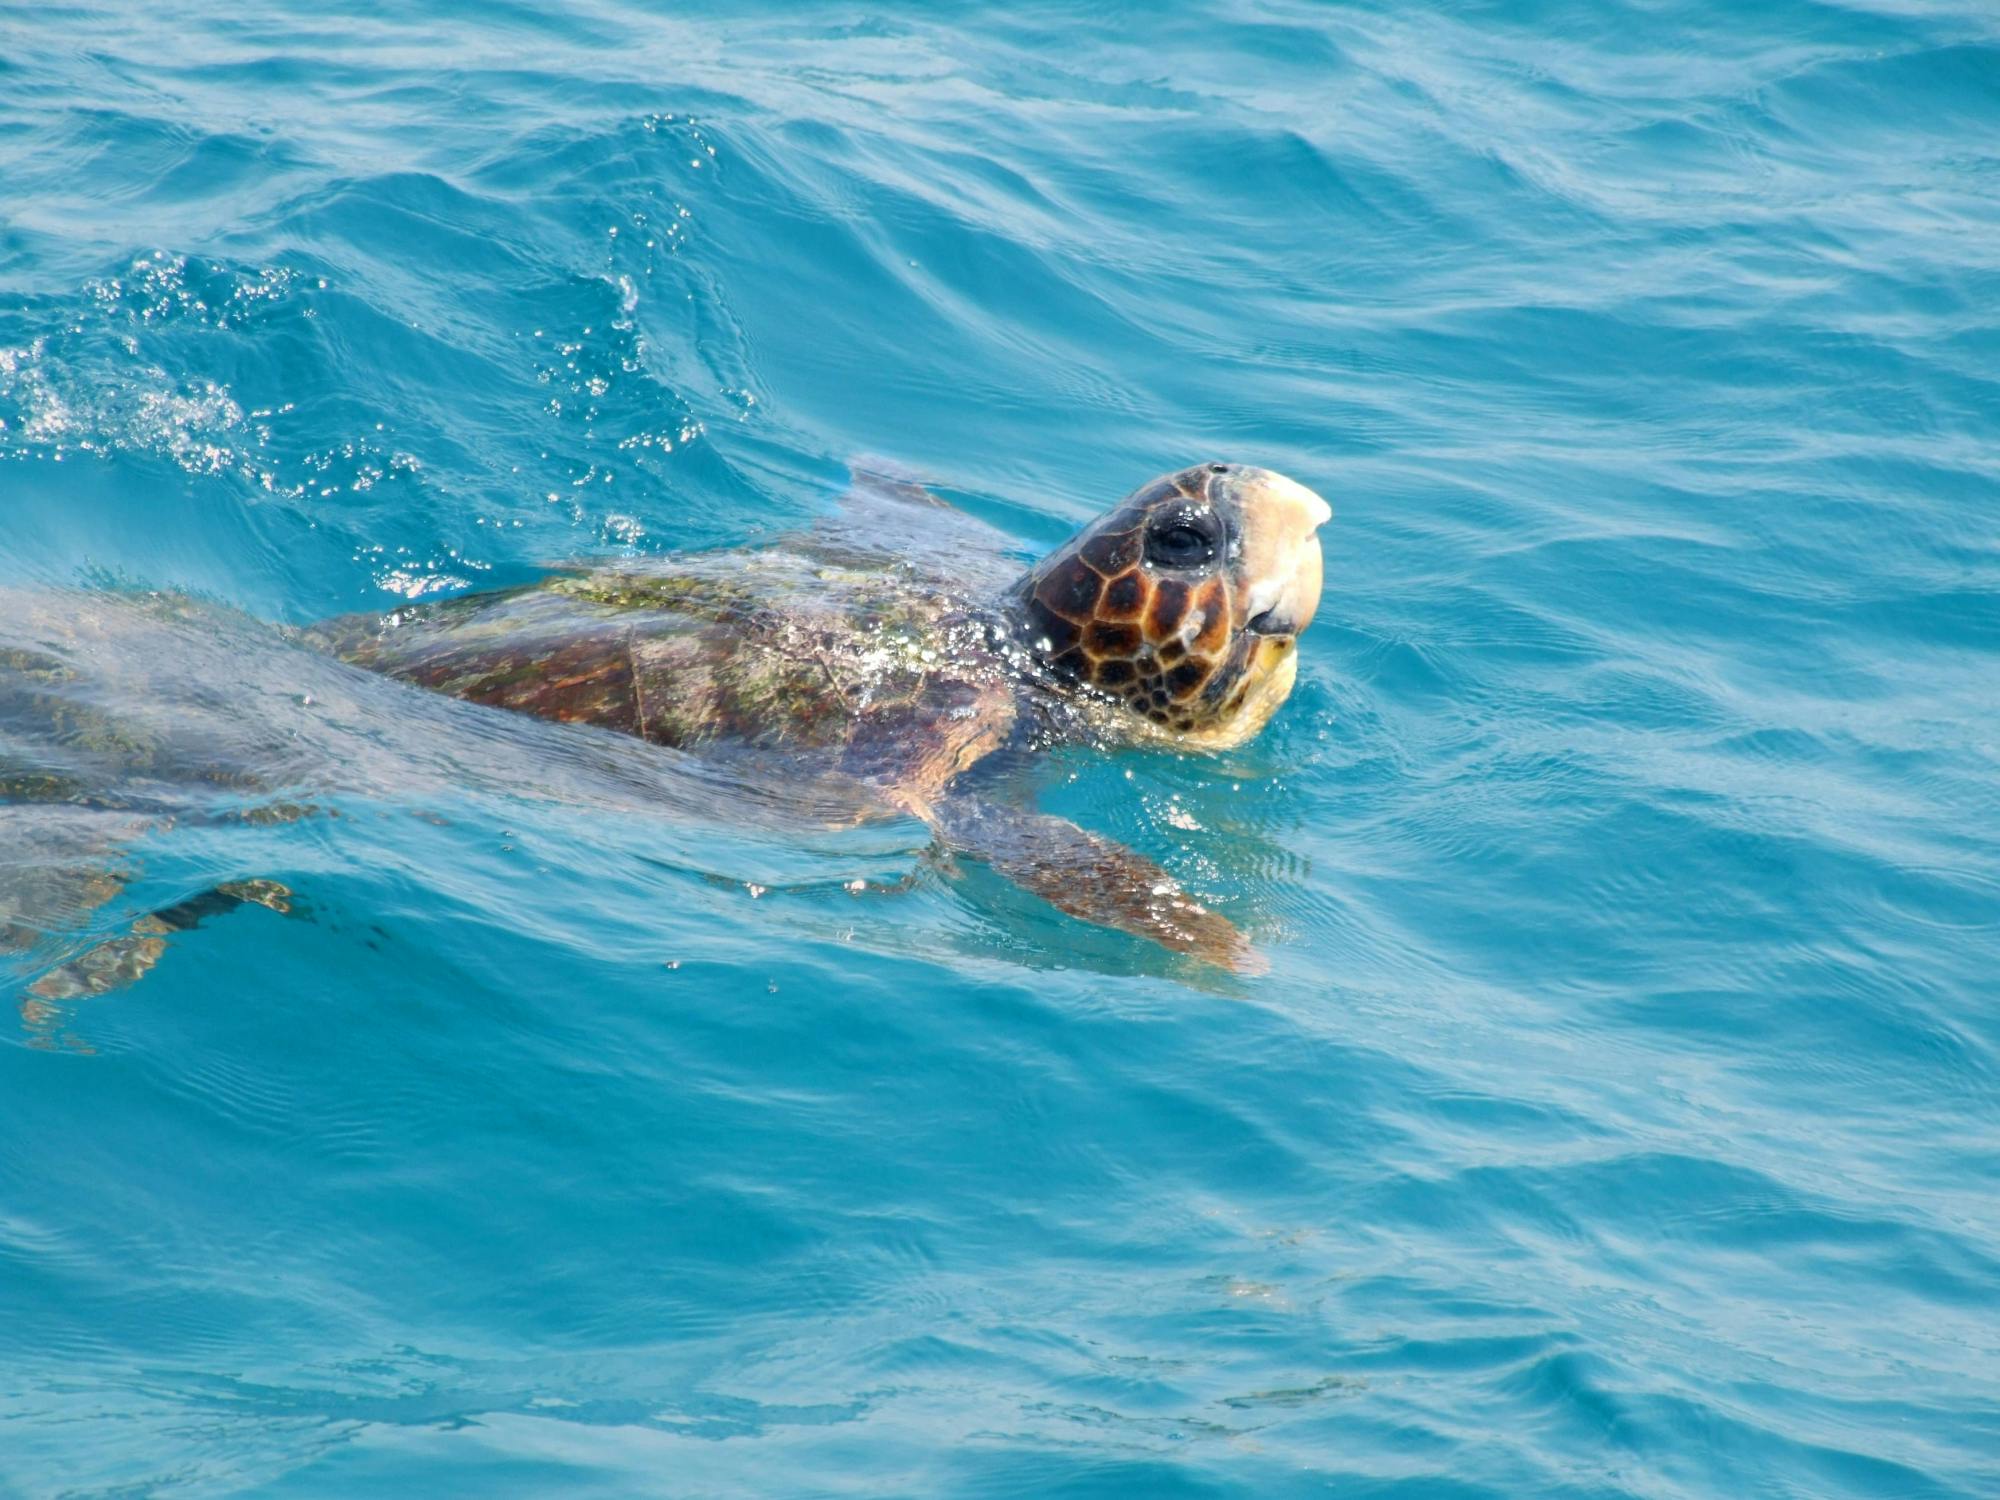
(1279, 566)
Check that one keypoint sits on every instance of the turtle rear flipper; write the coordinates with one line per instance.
(1089, 876)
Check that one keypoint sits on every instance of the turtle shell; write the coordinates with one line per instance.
(858, 671)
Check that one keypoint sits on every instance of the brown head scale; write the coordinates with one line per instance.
(1185, 602)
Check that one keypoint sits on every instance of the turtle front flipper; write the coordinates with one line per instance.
(1089, 876)
(126, 959)
(889, 516)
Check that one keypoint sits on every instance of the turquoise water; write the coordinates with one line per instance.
(1621, 1113)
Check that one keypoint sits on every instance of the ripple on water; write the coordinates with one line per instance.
(1616, 1118)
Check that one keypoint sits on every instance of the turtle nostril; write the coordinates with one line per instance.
(1218, 468)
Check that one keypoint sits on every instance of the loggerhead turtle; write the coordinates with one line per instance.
(877, 659)
(887, 668)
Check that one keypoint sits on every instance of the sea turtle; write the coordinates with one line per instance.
(874, 660)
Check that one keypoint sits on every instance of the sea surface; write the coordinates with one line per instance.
(1620, 1115)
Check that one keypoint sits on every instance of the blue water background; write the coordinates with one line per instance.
(1621, 1116)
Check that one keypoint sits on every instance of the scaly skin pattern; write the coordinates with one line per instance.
(1167, 644)
(1156, 642)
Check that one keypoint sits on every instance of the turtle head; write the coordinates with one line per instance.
(1186, 600)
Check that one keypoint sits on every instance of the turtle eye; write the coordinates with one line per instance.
(1179, 544)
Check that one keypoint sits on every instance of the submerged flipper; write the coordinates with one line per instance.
(123, 960)
(1091, 877)
(887, 513)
